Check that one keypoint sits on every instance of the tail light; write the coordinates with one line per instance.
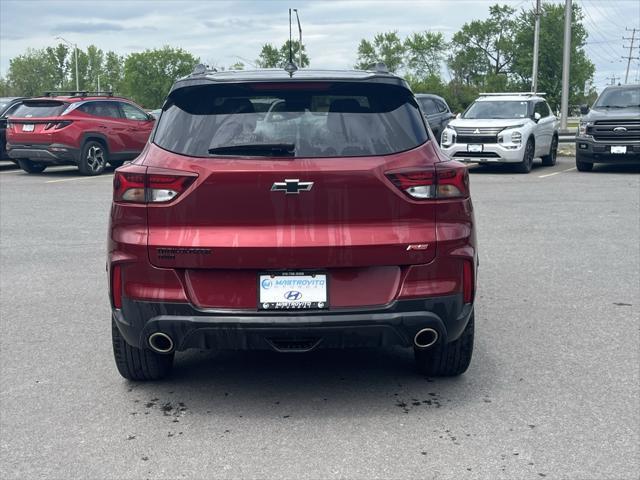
(60, 125)
(468, 282)
(57, 125)
(136, 184)
(448, 180)
(116, 286)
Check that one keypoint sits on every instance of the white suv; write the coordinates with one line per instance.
(504, 128)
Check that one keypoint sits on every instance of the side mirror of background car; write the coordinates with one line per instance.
(459, 115)
(537, 116)
(584, 109)
(151, 118)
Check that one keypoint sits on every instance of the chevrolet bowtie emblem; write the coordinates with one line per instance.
(291, 186)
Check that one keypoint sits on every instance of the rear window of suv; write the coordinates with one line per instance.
(290, 119)
(40, 109)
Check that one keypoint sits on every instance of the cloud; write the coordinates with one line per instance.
(87, 27)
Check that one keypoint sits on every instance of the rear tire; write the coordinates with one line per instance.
(550, 160)
(93, 158)
(31, 167)
(137, 364)
(449, 359)
(527, 159)
(581, 165)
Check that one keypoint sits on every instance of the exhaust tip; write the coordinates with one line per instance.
(160, 342)
(426, 338)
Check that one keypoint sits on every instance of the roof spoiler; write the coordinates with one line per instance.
(514, 94)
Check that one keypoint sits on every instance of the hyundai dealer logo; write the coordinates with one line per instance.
(266, 283)
(293, 295)
(620, 129)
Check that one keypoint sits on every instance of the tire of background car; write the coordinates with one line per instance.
(137, 364)
(30, 166)
(116, 163)
(448, 359)
(93, 158)
(550, 160)
(527, 160)
(581, 165)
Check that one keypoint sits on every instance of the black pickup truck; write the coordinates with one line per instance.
(610, 131)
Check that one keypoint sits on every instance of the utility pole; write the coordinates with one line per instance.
(536, 48)
(566, 58)
(613, 79)
(630, 56)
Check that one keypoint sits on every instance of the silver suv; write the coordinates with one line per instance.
(504, 128)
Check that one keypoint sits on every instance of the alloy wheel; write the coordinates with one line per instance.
(95, 158)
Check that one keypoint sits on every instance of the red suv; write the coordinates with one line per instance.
(88, 129)
(291, 213)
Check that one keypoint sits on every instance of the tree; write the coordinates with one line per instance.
(32, 73)
(484, 47)
(95, 62)
(113, 72)
(237, 66)
(148, 75)
(272, 57)
(424, 53)
(386, 47)
(59, 53)
(550, 56)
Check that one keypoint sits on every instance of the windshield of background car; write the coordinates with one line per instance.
(323, 119)
(619, 98)
(504, 109)
(39, 109)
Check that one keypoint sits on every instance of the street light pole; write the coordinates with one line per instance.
(75, 51)
(536, 48)
(566, 58)
(300, 32)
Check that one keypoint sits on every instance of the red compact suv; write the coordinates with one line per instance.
(87, 129)
(291, 213)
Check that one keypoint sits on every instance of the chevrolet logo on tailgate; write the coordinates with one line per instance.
(291, 186)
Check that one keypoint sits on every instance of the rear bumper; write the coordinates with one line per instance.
(593, 151)
(393, 324)
(52, 154)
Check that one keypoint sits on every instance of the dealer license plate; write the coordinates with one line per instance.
(292, 291)
(474, 148)
(28, 127)
(618, 149)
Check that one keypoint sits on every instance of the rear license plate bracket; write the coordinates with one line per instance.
(293, 291)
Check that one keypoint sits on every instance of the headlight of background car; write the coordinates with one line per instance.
(447, 137)
(582, 130)
(516, 137)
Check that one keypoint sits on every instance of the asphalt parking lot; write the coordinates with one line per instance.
(553, 390)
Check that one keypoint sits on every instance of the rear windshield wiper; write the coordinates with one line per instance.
(257, 149)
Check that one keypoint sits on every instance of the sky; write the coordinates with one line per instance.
(223, 32)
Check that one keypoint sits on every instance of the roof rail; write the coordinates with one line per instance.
(513, 94)
(76, 93)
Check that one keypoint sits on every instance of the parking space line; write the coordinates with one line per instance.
(79, 178)
(556, 173)
(11, 171)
